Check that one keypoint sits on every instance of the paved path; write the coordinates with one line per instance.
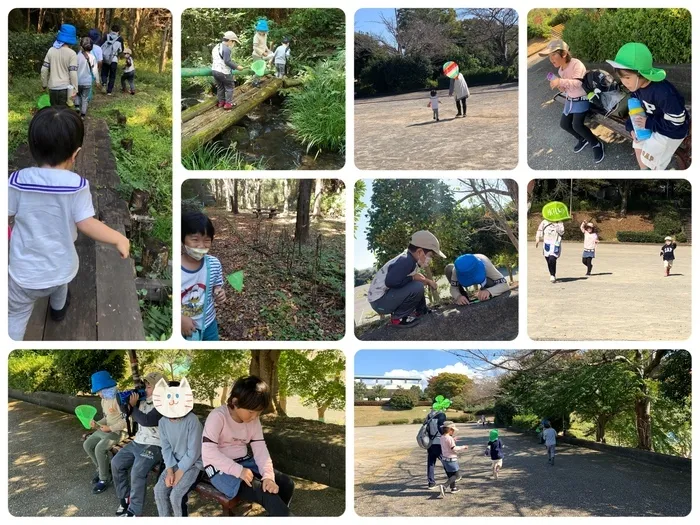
(49, 474)
(627, 297)
(398, 133)
(390, 480)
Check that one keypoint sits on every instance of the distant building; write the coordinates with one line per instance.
(391, 384)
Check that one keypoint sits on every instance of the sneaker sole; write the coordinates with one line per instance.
(603, 157)
(582, 148)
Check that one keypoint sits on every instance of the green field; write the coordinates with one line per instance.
(371, 416)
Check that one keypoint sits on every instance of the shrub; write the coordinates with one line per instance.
(667, 223)
(26, 51)
(418, 420)
(400, 422)
(538, 31)
(393, 74)
(526, 421)
(647, 237)
(371, 403)
(30, 371)
(466, 418)
(485, 411)
(401, 401)
(504, 411)
(384, 422)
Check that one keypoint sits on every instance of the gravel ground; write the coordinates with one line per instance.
(49, 474)
(390, 479)
(398, 133)
(627, 298)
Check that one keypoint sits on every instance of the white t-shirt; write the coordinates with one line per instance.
(46, 204)
(194, 288)
(550, 437)
(434, 101)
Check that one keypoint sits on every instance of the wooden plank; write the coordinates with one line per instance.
(35, 326)
(81, 317)
(106, 172)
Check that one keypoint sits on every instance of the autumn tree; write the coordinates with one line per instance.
(449, 385)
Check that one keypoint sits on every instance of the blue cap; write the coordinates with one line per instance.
(94, 35)
(101, 380)
(67, 34)
(470, 270)
(261, 25)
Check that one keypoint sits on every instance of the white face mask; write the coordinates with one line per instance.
(426, 262)
(196, 253)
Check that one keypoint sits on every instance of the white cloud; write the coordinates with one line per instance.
(457, 368)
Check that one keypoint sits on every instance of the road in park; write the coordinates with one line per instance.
(390, 479)
(50, 474)
(398, 133)
(627, 297)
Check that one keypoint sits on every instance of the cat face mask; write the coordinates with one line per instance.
(173, 401)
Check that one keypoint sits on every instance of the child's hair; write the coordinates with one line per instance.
(250, 393)
(196, 222)
(173, 383)
(564, 54)
(412, 248)
(547, 424)
(86, 43)
(116, 28)
(626, 71)
(55, 134)
(444, 430)
(433, 93)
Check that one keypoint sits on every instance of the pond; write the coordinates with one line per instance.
(264, 135)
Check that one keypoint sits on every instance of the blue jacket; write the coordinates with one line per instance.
(665, 109)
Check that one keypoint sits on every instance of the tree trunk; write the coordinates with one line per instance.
(283, 403)
(601, 422)
(258, 193)
(264, 364)
(154, 258)
(510, 272)
(109, 14)
(322, 412)
(317, 197)
(134, 361)
(301, 232)
(164, 44)
(139, 16)
(97, 19)
(624, 188)
(642, 409)
(40, 22)
(29, 19)
(285, 206)
(235, 197)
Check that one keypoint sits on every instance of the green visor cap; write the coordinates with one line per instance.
(493, 435)
(555, 212)
(637, 57)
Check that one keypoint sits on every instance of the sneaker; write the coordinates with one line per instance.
(455, 489)
(100, 487)
(133, 92)
(552, 279)
(96, 478)
(227, 106)
(458, 115)
(128, 514)
(405, 322)
(433, 486)
(437, 119)
(442, 492)
(598, 152)
(122, 508)
(582, 143)
(458, 479)
(59, 315)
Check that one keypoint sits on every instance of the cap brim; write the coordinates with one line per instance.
(655, 75)
(617, 65)
(441, 254)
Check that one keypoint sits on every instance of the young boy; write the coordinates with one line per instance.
(494, 448)
(449, 457)
(59, 72)
(668, 254)
(434, 104)
(222, 67)
(108, 432)
(129, 72)
(87, 74)
(281, 56)
(112, 47)
(666, 116)
(397, 289)
(474, 270)
(50, 205)
(181, 439)
(202, 279)
(550, 441)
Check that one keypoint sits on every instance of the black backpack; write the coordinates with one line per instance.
(605, 92)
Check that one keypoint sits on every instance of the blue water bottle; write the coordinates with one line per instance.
(635, 109)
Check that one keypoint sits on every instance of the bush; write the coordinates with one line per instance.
(393, 74)
(31, 371)
(647, 237)
(526, 421)
(418, 420)
(667, 223)
(384, 422)
(485, 411)
(400, 422)
(371, 403)
(401, 401)
(26, 51)
(504, 411)
(466, 418)
(538, 31)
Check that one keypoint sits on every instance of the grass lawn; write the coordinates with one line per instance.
(371, 416)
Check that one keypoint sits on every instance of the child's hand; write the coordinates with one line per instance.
(134, 399)
(537, 243)
(93, 424)
(554, 83)
(432, 284)
(462, 301)
(186, 325)
(270, 486)
(106, 429)
(123, 247)
(219, 295)
(640, 121)
(634, 135)
(178, 476)
(247, 476)
(169, 477)
(483, 295)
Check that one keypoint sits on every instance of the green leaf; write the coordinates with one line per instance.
(236, 280)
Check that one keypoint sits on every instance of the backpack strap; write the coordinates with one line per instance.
(207, 292)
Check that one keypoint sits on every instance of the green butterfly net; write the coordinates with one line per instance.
(441, 404)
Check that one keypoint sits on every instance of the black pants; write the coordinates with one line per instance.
(434, 453)
(58, 97)
(109, 75)
(552, 265)
(274, 504)
(588, 263)
(573, 123)
(452, 478)
(128, 77)
(463, 108)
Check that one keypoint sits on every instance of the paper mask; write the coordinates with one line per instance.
(173, 401)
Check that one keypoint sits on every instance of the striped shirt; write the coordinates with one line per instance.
(195, 289)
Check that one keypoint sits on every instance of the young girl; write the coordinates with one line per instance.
(494, 448)
(202, 279)
(449, 457)
(87, 75)
(228, 431)
(590, 241)
(261, 51)
(571, 71)
(108, 432)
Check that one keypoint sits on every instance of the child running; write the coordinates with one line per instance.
(50, 205)
(228, 432)
(449, 457)
(550, 441)
(202, 279)
(434, 104)
(129, 72)
(590, 241)
(494, 448)
(668, 254)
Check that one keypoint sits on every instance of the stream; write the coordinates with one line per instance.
(264, 134)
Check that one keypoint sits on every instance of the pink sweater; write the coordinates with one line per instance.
(229, 441)
(569, 83)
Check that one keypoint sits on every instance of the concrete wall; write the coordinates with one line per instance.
(300, 447)
(678, 74)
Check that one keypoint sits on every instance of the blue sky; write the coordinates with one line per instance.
(368, 21)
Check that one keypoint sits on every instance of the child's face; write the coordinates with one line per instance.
(668, 242)
(630, 80)
(589, 229)
(149, 390)
(198, 240)
(101, 394)
(424, 257)
(557, 60)
(245, 415)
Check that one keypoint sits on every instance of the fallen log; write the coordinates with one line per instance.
(208, 104)
(187, 72)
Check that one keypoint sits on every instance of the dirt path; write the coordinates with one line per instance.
(390, 479)
(398, 133)
(626, 298)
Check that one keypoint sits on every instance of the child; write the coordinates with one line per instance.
(87, 74)
(50, 204)
(668, 254)
(571, 71)
(281, 56)
(181, 441)
(550, 441)
(551, 234)
(222, 70)
(228, 432)
(666, 116)
(397, 289)
(449, 457)
(129, 72)
(474, 270)
(112, 47)
(494, 448)
(202, 279)
(108, 432)
(590, 241)
(434, 102)
(260, 49)
(59, 72)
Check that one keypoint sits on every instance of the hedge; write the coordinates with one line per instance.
(382, 403)
(401, 401)
(26, 51)
(400, 422)
(647, 237)
(595, 35)
(526, 421)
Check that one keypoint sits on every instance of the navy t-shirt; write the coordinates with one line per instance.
(665, 109)
(667, 251)
(496, 449)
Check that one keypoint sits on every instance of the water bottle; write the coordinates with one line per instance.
(551, 76)
(635, 108)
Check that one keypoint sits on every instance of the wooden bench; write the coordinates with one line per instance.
(259, 212)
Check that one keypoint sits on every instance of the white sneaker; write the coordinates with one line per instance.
(552, 279)
(442, 492)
